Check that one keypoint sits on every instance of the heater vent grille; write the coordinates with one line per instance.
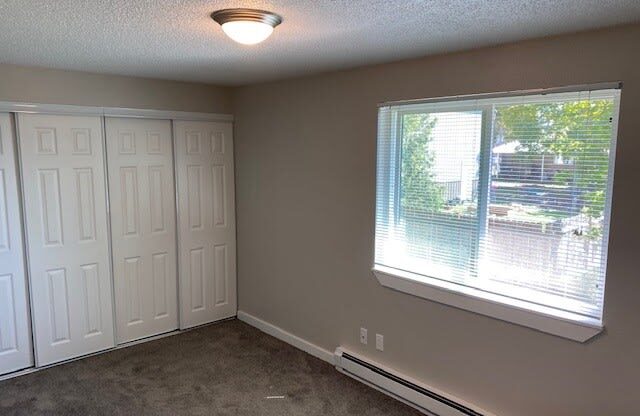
(420, 397)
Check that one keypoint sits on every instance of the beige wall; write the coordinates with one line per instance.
(28, 84)
(305, 152)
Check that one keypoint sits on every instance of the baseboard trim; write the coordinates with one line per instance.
(289, 338)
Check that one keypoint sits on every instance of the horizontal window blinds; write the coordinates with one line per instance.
(508, 195)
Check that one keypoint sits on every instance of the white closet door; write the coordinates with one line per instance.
(143, 226)
(15, 327)
(66, 220)
(207, 231)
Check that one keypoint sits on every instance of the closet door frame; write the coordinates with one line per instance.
(14, 108)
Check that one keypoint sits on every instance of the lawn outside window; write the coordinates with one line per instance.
(500, 204)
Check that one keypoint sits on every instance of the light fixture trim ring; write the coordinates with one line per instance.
(252, 15)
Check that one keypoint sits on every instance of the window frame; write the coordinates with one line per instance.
(539, 317)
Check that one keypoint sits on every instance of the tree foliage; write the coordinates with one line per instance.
(577, 131)
(419, 191)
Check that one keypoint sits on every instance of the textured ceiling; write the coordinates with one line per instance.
(176, 39)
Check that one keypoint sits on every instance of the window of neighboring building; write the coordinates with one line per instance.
(503, 199)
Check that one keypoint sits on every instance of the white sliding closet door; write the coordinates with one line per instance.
(15, 327)
(207, 231)
(143, 226)
(66, 221)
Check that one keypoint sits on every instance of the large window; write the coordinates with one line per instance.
(500, 198)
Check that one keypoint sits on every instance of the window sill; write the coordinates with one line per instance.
(563, 324)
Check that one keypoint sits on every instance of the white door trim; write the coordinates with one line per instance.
(26, 107)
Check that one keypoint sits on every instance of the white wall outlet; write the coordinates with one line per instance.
(363, 336)
(380, 342)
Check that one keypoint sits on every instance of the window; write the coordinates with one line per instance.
(501, 199)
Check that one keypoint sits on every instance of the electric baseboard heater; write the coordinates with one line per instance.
(423, 398)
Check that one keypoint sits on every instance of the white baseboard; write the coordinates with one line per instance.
(289, 338)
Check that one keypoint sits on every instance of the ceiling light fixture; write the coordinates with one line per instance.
(247, 26)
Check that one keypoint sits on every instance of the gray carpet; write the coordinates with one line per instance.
(228, 368)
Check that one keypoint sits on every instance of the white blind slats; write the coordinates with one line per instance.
(507, 195)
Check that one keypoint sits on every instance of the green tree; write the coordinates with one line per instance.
(578, 131)
(419, 191)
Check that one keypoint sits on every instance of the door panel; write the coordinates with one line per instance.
(66, 221)
(206, 226)
(16, 352)
(143, 227)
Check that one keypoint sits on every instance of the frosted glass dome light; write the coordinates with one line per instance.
(247, 26)
(247, 32)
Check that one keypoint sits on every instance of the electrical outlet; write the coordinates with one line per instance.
(380, 342)
(363, 336)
